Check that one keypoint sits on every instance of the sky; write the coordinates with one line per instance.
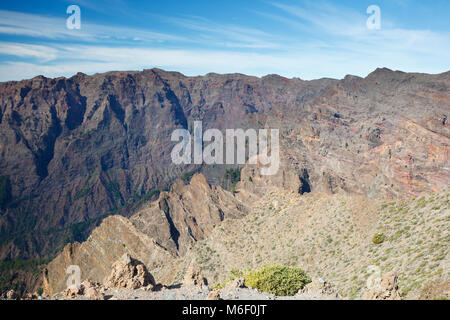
(307, 39)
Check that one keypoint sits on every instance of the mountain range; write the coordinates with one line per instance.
(74, 151)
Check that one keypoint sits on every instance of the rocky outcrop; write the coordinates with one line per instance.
(194, 277)
(162, 231)
(86, 290)
(238, 283)
(187, 213)
(436, 290)
(73, 291)
(318, 289)
(11, 295)
(213, 295)
(115, 237)
(387, 289)
(128, 273)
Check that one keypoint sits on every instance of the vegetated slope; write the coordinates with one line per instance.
(335, 237)
(75, 150)
(341, 237)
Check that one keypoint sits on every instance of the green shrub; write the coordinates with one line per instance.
(378, 238)
(278, 280)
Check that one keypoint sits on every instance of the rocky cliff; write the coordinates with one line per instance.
(157, 235)
(74, 150)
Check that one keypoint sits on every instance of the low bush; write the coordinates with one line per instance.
(378, 238)
(277, 279)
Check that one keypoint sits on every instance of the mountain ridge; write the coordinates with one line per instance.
(77, 149)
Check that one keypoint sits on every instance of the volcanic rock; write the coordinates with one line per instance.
(129, 273)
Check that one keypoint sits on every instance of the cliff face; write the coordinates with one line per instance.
(157, 235)
(77, 149)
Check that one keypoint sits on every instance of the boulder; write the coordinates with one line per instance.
(93, 294)
(129, 273)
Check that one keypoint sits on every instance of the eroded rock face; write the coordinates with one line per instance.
(78, 148)
(156, 235)
(115, 237)
(187, 213)
(128, 273)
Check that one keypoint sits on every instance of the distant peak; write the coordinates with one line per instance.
(383, 72)
(350, 77)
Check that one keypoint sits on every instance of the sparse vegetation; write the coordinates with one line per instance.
(277, 279)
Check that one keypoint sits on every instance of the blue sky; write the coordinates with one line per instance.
(308, 39)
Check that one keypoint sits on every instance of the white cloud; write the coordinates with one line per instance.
(42, 53)
(54, 28)
(331, 42)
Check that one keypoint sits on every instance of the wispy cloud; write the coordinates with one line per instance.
(42, 53)
(53, 28)
(344, 29)
(324, 40)
(227, 35)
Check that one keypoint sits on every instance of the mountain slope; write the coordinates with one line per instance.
(331, 236)
(76, 150)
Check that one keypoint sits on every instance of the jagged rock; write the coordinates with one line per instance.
(12, 295)
(318, 288)
(194, 277)
(129, 273)
(213, 295)
(387, 289)
(236, 283)
(73, 291)
(96, 262)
